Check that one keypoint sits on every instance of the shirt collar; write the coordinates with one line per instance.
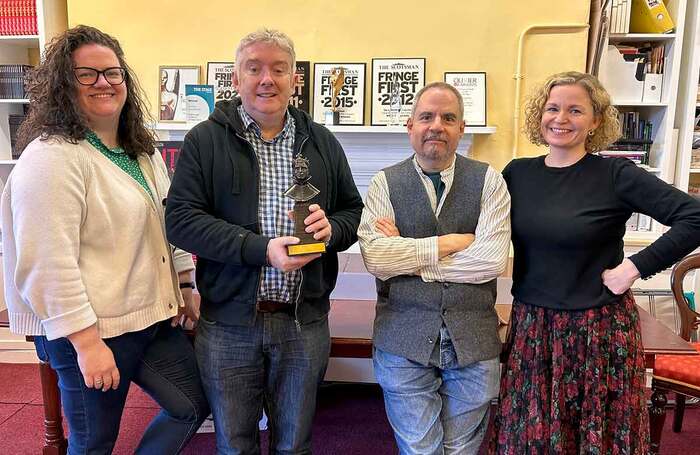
(444, 173)
(250, 125)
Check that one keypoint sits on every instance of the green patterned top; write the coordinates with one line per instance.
(119, 157)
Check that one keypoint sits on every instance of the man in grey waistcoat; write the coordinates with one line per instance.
(435, 231)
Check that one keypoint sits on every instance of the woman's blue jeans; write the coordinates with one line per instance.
(160, 359)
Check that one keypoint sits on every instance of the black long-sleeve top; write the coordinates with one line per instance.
(568, 226)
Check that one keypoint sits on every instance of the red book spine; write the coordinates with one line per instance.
(35, 28)
(3, 17)
(21, 14)
(25, 17)
(14, 18)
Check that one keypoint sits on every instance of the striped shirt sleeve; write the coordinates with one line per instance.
(387, 257)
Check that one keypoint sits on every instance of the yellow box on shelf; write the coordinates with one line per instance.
(650, 16)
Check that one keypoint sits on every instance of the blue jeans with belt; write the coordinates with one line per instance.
(160, 359)
(273, 363)
(440, 408)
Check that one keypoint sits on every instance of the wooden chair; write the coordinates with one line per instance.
(676, 373)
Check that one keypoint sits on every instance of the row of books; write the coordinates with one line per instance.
(695, 158)
(635, 128)
(15, 121)
(18, 17)
(636, 140)
(639, 223)
(12, 81)
(637, 157)
(651, 54)
(620, 15)
(638, 16)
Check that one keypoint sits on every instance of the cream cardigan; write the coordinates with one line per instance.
(84, 243)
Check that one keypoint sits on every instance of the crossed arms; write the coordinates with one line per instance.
(457, 258)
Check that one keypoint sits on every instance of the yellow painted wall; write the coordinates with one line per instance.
(453, 36)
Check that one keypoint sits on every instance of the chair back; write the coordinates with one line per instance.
(689, 318)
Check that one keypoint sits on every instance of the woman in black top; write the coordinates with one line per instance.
(574, 377)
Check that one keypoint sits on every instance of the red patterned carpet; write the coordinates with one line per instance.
(350, 420)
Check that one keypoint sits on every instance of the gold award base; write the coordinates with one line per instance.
(306, 248)
(308, 244)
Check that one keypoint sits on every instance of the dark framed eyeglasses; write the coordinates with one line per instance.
(89, 76)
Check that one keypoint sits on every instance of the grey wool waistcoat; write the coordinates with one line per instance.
(410, 311)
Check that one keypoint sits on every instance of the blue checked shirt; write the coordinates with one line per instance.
(275, 164)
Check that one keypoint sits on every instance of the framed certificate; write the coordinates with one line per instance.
(350, 101)
(301, 96)
(171, 98)
(472, 87)
(395, 82)
(220, 76)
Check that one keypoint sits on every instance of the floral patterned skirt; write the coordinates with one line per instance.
(573, 383)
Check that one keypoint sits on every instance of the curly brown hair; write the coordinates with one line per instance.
(605, 134)
(53, 101)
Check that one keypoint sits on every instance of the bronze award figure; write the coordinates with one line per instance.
(302, 191)
(337, 81)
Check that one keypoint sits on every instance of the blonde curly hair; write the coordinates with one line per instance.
(605, 134)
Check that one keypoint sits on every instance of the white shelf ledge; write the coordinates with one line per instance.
(13, 101)
(631, 37)
(340, 129)
(638, 103)
(402, 129)
(640, 238)
(694, 171)
(8, 162)
(172, 126)
(20, 40)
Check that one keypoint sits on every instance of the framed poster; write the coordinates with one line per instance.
(472, 87)
(171, 98)
(301, 97)
(170, 151)
(199, 101)
(350, 101)
(220, 76)
(395, 82)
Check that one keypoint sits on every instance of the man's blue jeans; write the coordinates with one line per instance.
(437, 409)
(160, 359)
(273, 362)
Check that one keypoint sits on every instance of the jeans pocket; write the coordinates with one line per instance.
(205, 321)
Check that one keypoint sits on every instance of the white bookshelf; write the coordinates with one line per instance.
(662, 114)
(52, 19)
(636, 37)
(688, 107)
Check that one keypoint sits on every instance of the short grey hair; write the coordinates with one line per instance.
(441, 86)
(267, 36)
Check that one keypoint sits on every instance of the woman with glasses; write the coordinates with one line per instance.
(88, 269)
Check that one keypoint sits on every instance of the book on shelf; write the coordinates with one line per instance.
(14, 122)
(695, 158)
(18, 17)
(12, 81)
(620, 16)
(650, 16)
(639, 158)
